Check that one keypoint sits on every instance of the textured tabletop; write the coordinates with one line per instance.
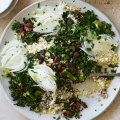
(111, 8)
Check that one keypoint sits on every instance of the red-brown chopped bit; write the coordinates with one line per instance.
(32, 55)
(76, 12)
(56, 59)
(78, 45)
(70, 21)
(68, 113)
(77, 110)
(62, 43)
(60, 74)
(78, 117)
(59, 67)
(84, 104)
(26, 21)
(22, 33)
(20, 90)
(78, 104)
(40, 61)
(63, 68)
(21, 28)
(28, 27)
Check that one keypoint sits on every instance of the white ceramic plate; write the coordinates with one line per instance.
(94, 107)
(9, 9)
(4, 4)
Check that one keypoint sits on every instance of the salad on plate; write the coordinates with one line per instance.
(52, 55)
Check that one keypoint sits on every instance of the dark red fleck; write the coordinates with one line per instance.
(26, 21)
(73, 44)
(59, 67)
(68, 114)
(70, 21)
(77, 110)
(62, 43)
(78, 45)
(30, 29)
(78, 104)
(40, 61)
(63, 68)
(77, 13)
(56, 59)
(78, 117)
(22, 33)
(32, 55)
(84, 104)
(30, 25)
(20, 90)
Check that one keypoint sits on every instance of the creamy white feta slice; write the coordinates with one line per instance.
(13, 56)
(44, 76)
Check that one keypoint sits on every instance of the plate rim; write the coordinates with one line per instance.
(32, 4)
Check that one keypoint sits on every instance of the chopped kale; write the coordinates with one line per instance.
(24, 91)
(113, 47)
(16, 25)
(31, 37)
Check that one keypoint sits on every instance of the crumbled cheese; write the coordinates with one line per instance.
(50, 60)
(67, 7)
(41, 45)
(106, 58)
(97, 85)
(47, 54)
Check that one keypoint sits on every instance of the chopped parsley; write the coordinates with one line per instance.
(16, 25)
(113, 47)
(114, 89)
(38, 5)
(6, 42)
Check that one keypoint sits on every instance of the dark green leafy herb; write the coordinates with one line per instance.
(23, 90)
(38, 5)
(114, 89)
(113, 47)
(6, 42)
(31, 37)
(16, 25)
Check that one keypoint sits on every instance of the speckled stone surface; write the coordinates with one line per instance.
(112, 9)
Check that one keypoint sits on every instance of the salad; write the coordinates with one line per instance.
(54, 51)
